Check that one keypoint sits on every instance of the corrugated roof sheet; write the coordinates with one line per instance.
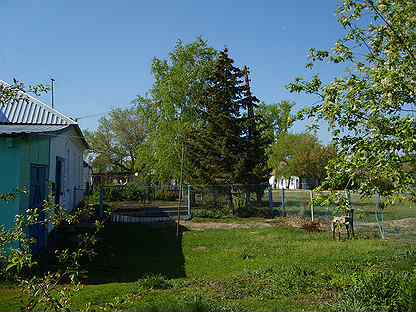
(31, 111)
(29, 129)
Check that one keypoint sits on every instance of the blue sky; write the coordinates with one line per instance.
(99, 52)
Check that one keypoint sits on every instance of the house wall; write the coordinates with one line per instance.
(16, 156)
(68, 146)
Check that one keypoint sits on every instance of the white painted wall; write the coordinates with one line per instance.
(86, 176)
(292, 184)
(70, 148)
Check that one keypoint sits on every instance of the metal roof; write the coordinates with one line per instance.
(31, 111)
(29, 129)
(31, 116)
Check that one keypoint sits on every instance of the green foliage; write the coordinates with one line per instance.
(190, 303)
(163, 194)
(370, 108)
(215, 149)
(155, 281)
(133, 191)
(211, 213)
(239, 269)
(380, 291)
(17, 92)
(136, 191)
(230, 146)
(112, 194)
(300, 155)
(169, 109)
(116, 141)
(45, 290)
(280, 117)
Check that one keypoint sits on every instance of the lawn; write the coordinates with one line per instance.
(273, 268)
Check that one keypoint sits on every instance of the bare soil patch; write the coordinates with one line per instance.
(224, 226)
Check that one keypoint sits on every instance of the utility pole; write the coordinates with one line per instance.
(53, 83)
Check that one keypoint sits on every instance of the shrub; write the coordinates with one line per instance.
(134, 191)
(113, 194)
(211, 213)
(155, 281)
(168, 195)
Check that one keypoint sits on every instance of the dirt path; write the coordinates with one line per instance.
(224, 226)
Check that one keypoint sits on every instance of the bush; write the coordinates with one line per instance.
(134, 191)
(168, 195)
(113, 194)
(155, 281)
(211, 213)
(380, 291)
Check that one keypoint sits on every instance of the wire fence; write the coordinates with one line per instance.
(373, 216)
(135, 203)
(164, 203)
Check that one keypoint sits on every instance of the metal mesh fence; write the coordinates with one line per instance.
(135, 203)
(371, 216)
(217, 201)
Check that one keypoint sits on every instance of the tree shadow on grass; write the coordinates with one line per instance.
(127, 252)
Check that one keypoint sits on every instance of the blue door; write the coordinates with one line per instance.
(58, 181)
(38, 193)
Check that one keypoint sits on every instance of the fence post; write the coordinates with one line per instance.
(312, 212)
(101, 208)
(189, 201)
(283, 202)
(271, 199)
(379, 208)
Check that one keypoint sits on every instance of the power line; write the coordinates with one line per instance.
(100, 114)
(93, 115)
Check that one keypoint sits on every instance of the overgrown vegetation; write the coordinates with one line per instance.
(48, 279)
(370, 106)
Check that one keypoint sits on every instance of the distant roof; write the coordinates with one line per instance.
(32, 112)
(27, 129)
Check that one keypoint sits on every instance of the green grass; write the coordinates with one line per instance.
(145, 268)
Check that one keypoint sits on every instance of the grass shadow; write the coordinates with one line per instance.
(127, 252)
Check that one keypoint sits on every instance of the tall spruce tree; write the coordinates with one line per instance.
(230, 146)
(216, 148)
(255, 170)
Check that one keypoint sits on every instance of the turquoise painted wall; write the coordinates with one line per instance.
(16, 156)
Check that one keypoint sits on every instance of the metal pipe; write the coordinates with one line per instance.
(52, 92)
